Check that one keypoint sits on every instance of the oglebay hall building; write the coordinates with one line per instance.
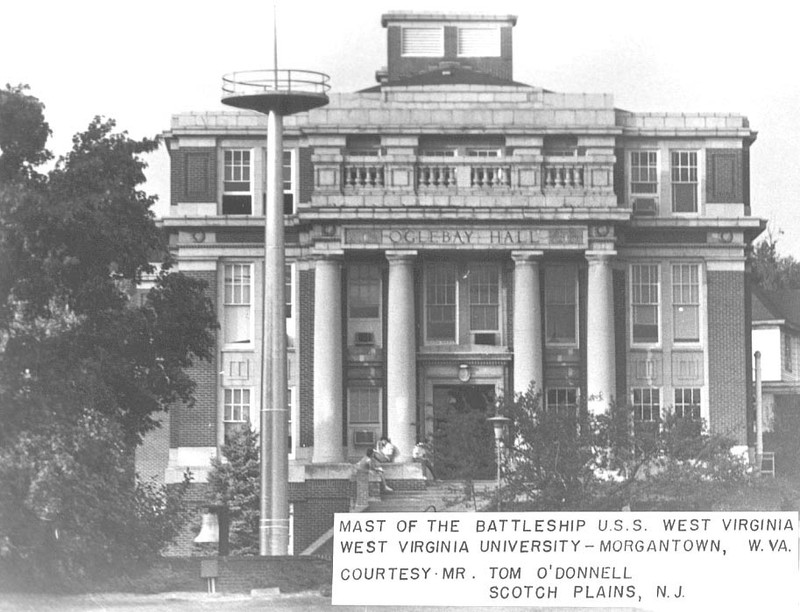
(454, 235)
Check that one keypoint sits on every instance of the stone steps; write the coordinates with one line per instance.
(440, 496)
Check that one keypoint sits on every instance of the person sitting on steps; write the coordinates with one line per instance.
(385, 451)
(421, 455)
(369, 463)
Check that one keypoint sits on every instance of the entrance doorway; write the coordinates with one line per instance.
(463, 440)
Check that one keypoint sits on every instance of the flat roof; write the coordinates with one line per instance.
(421, 16)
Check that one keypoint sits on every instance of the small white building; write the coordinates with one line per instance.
(776, 335)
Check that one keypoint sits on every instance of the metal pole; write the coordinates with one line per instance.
(274, 524)
(497, 443)
(759, 413)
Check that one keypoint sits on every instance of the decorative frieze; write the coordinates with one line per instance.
(504, 237)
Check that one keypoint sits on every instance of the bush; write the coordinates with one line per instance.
(234, 481)
(571, 460)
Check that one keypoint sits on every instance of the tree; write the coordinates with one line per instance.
(571, 460)
(234, 483)
(84, 366)
(770, 270)
(23, 134)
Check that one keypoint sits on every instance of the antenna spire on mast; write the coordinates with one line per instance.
(275, 39)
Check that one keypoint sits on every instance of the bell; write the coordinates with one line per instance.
(209, 529)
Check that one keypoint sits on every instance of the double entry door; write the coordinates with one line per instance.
(463, 440)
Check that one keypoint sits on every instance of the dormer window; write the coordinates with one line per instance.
(422, 42)
(478, 42)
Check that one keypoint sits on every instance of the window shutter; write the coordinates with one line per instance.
(423, 42)
(479, 42)
(619, 175)
(724, 176)
(198, 177)
(306, 174)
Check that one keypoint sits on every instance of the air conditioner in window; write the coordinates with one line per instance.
(363, 438)
(364, 339)
(645, 207)
(485, 338)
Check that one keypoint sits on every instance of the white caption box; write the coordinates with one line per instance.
(639, 560)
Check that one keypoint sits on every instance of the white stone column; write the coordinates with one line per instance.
(401, 354)
(527, 321)
(600, 354)
(328, 361)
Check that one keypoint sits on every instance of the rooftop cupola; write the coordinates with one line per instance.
(420, 43)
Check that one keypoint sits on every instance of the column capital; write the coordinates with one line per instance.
(521, 257)
(599, 256)
(335, 256)
(401, 256)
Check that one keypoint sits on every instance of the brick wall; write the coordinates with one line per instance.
(748, 365)
(242, 574)
(195, 424)
(315, 504)
(196, 498)
(306, 356)
(727, 355)
(193, 175)
(152, 455)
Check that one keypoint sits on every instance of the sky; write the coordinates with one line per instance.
(140, 62)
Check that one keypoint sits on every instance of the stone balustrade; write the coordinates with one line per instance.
(563, 176)
(469, 175)
(489, 177)
(363, 176)
(436, 176)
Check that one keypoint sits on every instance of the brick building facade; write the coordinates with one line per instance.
(453, 235)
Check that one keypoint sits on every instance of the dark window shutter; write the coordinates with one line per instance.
(306, 174)
(724, 176)
(619, 176)
(199, 176)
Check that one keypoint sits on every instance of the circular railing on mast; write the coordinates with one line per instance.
(285, 91)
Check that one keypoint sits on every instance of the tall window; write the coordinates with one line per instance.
(788, 354)
(484, 298)
(237, 405)
(440, 303)
(288, 178)
(562, 399)
(364, 405)
(683, 167)
(644, 303)
(686, 302)
(363, 292)
(289, 283)
(687, 403)
(288, 182)
(644, 173)
(290, 419)
(236, 410)
(237, 303)
(463, 303)
(422, 42)
(646, 404)
(237, 196)
(560, 297)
